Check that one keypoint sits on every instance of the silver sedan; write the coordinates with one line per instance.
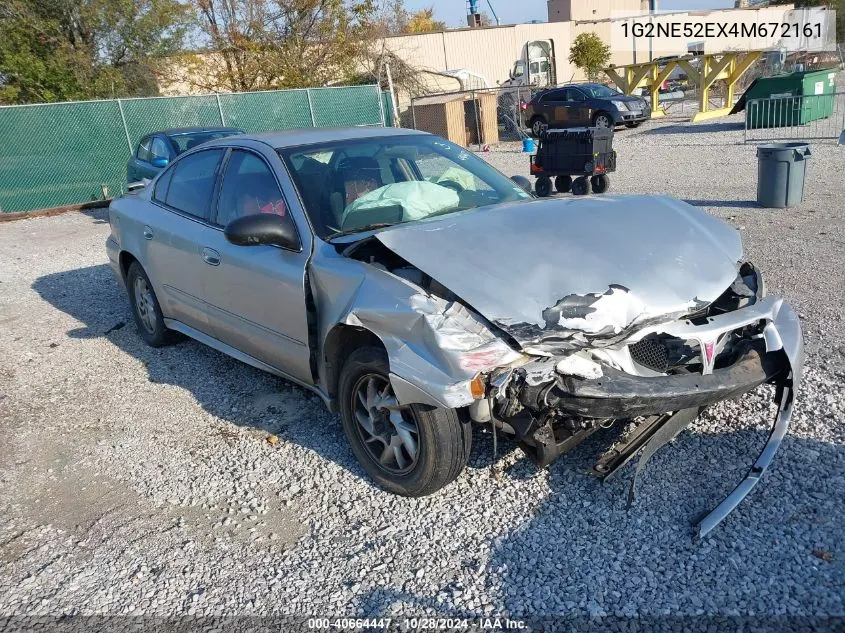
(419, 292)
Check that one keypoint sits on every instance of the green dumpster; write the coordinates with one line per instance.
(795, 99)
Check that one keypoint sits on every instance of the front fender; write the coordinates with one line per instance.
(435, 347)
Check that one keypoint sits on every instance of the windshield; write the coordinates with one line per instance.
(600, 92)
(187, 140)
(355, 185)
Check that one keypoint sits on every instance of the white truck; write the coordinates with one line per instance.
(536, 66)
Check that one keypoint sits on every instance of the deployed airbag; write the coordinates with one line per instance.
(417, 199)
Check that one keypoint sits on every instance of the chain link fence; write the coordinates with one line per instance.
(68, 153)
(473, 117)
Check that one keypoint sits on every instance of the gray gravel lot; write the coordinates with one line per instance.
(142, 481)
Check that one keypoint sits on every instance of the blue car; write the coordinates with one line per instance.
(156, 150)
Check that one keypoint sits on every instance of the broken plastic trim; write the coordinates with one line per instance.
(785, 397)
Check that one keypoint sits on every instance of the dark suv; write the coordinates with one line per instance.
(581, 105)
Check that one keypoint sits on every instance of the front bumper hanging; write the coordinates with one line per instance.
(776, 358)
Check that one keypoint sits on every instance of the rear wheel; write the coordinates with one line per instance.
(409, 450)
(603, 120)
(580, 186)
(563, 184)
(538, 124)
(145, 308)
(543, 186)
(600, 183)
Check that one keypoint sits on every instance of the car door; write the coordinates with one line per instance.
(178, 223)
(255, 294)
(578, 108)
(556, 108)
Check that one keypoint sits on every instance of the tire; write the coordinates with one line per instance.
(543, 186)
(633, 125)
(145, 308)
(603, 120)
(537, 125)
(442, 442)
(600, 183)
(580, 186)
(563, 184)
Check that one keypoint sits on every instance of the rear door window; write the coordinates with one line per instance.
(162, 184)
(192, 184)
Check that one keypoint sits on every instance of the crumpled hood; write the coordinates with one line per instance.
(578, 270)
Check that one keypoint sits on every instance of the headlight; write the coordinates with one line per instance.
(620, 105)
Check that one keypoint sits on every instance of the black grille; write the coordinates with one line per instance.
(651, 353)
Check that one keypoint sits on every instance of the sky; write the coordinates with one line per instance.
(453, 12)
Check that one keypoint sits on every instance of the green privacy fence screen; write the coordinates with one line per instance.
(67, 153)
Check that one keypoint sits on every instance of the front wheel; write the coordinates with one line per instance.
(410, 450)
(538, 124)
(603, 120)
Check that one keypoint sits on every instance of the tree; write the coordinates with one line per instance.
(590, 54)
(54, 50)
(266, 44)
(423, 21)
(391, 18)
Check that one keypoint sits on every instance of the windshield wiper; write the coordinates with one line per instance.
(360, 229)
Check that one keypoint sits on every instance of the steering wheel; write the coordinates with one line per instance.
(452, 184)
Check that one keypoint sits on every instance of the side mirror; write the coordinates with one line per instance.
(263, 228)
(159, 161)
(523, 183)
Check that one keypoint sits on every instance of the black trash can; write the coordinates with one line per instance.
(781, 171)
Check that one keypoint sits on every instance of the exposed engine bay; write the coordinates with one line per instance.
(649, 381)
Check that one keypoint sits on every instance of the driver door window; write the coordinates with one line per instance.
(159, 149)
(249, 188)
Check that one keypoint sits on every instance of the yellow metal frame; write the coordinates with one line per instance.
(728, 66)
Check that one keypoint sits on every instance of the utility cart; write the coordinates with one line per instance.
(583, 153)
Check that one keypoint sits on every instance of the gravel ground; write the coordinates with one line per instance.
(141, 481)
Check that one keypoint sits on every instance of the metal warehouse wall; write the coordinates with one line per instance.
(492, 51)
(65, 153)
(489, 51)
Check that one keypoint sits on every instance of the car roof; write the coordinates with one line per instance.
(316, 136)
(176, 131)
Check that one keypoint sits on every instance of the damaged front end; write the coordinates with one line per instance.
(658, 379)
(656, 325)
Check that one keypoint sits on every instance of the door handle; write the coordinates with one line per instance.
(148, 233)
(211, 257)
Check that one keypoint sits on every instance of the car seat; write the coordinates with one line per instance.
(352, 171)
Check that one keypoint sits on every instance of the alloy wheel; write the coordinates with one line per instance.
(389, 431)
(145, 304)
